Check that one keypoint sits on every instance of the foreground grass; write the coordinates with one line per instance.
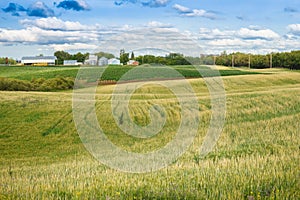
(257, 156)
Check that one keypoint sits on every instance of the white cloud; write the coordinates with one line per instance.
(83, 4)
(53, 23)
(200, 13)
(40, 36)
(266, 34)
(24, 35)
(181, 8)
(242, 33)
(253, 39)
(75, 46)
(68, 35)
(158, 24)
(227, 42)
(294, 29)
(187, 12)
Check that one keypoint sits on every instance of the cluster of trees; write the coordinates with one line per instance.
(7, 61)
(290, 60)
(171, 59)
(103, 54)
(62, 55)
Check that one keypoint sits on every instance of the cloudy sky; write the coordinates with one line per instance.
(189, 26)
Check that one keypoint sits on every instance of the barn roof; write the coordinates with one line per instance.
(39, 58)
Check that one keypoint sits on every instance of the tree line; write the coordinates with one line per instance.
(290, 60)
(7, 61)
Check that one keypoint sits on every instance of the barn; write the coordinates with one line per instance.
(38, 60)
(71, 62)
(114, 61)
(103, 61)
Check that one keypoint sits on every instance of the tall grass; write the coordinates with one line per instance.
(257, 156)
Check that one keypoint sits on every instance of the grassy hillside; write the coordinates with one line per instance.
(257, 156)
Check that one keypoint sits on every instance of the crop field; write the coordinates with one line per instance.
(111, 73)
(256, 157)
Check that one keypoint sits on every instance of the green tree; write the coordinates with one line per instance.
(132, 56)
(124, 58)
(104, 54)
(6, 60)
(61, 56)
(80, 57)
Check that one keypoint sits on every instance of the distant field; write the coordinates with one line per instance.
(257, 156)
(112, 72)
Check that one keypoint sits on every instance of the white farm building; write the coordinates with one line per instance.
(114, 61)
(39, 60)
(93, 60)
(103, 61)
(72, 63)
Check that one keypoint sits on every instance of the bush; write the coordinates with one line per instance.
(39, 84)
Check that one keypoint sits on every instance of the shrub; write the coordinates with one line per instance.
(39, 84)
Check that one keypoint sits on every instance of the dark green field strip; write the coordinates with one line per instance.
(113, 72)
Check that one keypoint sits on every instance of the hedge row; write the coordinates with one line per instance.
(38, 84)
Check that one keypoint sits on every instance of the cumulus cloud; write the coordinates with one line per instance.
(14, 9)
(77, 5)
(35, 35)
(158, 24)
(201, 13)
(252, 39)
(53, 23)
(148, 3)
(252, 34)
(40, 9)
(72, 35)
(294, 29)
(156, 3)
(75, 46)
(187, 12)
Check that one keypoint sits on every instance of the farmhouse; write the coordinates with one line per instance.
(133, 62)
(39, 60)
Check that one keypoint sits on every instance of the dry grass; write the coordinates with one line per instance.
(257, 156)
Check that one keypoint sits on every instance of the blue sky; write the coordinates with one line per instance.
(42, 27)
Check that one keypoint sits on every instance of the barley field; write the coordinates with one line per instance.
(256, 157)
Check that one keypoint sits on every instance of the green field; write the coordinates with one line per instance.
(256, 157)
(111, 73)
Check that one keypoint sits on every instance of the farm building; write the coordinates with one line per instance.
(93, 60)
(103, 61)
(133, 62)
(38, 60)
(71, 62)
(114, 61)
